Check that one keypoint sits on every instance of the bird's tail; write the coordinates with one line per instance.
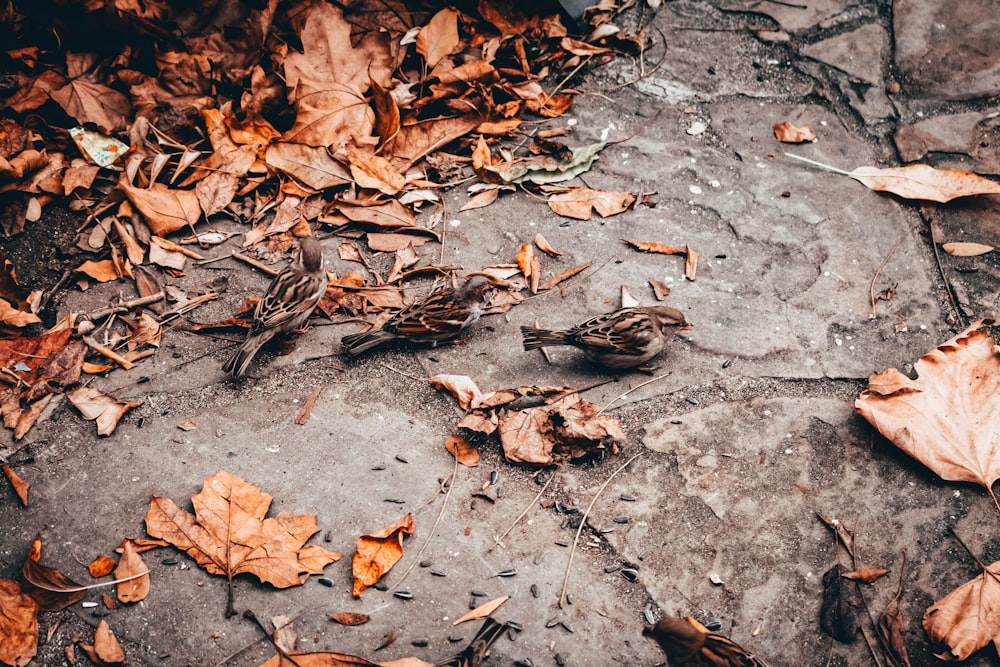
(237, 364)
(359, 343)
(488, 634)
(536, 338)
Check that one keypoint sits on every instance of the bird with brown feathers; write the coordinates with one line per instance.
(690, 644)
(442, 316)
(290, 299)
(624, 338)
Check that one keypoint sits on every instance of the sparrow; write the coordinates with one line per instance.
(479, 647)
(443, 315)
(287, 304)
(689, 644)
(624, 338)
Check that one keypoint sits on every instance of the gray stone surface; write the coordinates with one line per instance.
(747, 432)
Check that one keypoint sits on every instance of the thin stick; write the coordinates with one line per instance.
(645, 74)
(123, 307)
(110, 354)
(947, 284)
(254, 263)
(430, 535)
(583, 522)
(404, 374)
(818, 164)
(871, 648)
(871, 286)
(786, 4)
(46, 587)
(498, 541)
(638, 386)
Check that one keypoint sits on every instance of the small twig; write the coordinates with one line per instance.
(645, 74)
(189, 305)
(947, 283)
(583, 522)
(549, 96)
(871, 648)
(63, 279)
(282, 654)
(123, 307)
(430, 535)
(254, 263)
(77, 589)
(498, 541)
(878, 272)
(638, 386)
(110, 354)
(307, 407)
(786, 4)
(818, 164)
(404, 374)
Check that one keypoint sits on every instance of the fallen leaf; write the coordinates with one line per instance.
(545, 247)
(129, 565)
(439, 37)
(787, 133)
(948, 418)
(349, 252)
(375, 172)
(579, 203)
(377, 552)
(285, 637)
(310, 165)
(18, 625)
(544, 169)
(461, 387)
(94, 404)
(660, 289)
(228, 534)
(102, 271)
(15, 310)
(48, 586)
(106, 646)
(628, 299)
(481, 199)
(20, 486)
(690, 263)
(331, 659)
(349, 618)
(965, 249)
(968, 618)
(838, 614)
(482, 610)
(661, 248)
(165, 209)
(890, 627)
(462, 450)
(387, 119)
(869, 575)
(523, 259)
(565, 275)
(918, 181)
(101, 566)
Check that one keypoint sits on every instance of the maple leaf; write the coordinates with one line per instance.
(968, 618)
(948, 418)
(377, 552)
(228, 534)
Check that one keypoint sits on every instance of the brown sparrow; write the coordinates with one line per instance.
(479, 647)
(287, 304)
(622, 339)
(690, 644)
(441, 316)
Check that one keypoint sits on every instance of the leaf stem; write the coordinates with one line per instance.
(818, 164)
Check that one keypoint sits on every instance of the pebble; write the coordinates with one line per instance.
(607, 529)
(401, 459)
(494, 476)
(378, 467)
(425, 563)
(479, 594)
(552, 622)
(714, 626)
(534, 591)
(566, 625)
(562, 543)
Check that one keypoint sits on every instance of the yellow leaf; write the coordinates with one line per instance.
(439, 37)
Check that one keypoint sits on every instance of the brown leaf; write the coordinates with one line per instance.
(101, 566)
(47, 586)
(106, 646)
(310, 165)
(90, 102)
(968, 618)
(461, 387)
(387, 120)
(565, 275)
(349, 618)
(580, 202)
(15, 310)
(349, 252)
(129, 565)
(102, 271)
(787, 133)
(439, 37)
(481, 199)
(416, 140)
(331, 659)
(375, 172)
(483, 610)
(524, 259)
(948, 419)
(94, 404)
(690, 263)
(545, 247)
(228, 534)
(393, 242)
(890, 627)
(869, 575)
(20, 486)
(18, 625)
(462, 450)
(960, 249)
(661, 248)
(377, 552)
(660, 289)
(165, 209)
(920, 181)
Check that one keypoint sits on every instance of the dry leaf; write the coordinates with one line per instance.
(690, 263)
(106, 646)
(481, 199)
(228, 534)
(545, 247)
(461, 387)
(890, 627)
(628, 299)
(102, 271)
(565, 275)
(20, 486)
(375, 172)
(349, 252)
(101, 566)
(787, 133)
(968, 618)
(949, 418)
(129, 565)
(462, 450)
(387, 120)
(165, 209)
(661, 248)
(579, 203)
(523, 259)
(965, 249)
(377, 552)
(349, 618)
(95, 404)
(48, 586)
(660, 289)
(869, 575)
(439, 37)
(482, 610)
(18, 625)
(311, 166)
